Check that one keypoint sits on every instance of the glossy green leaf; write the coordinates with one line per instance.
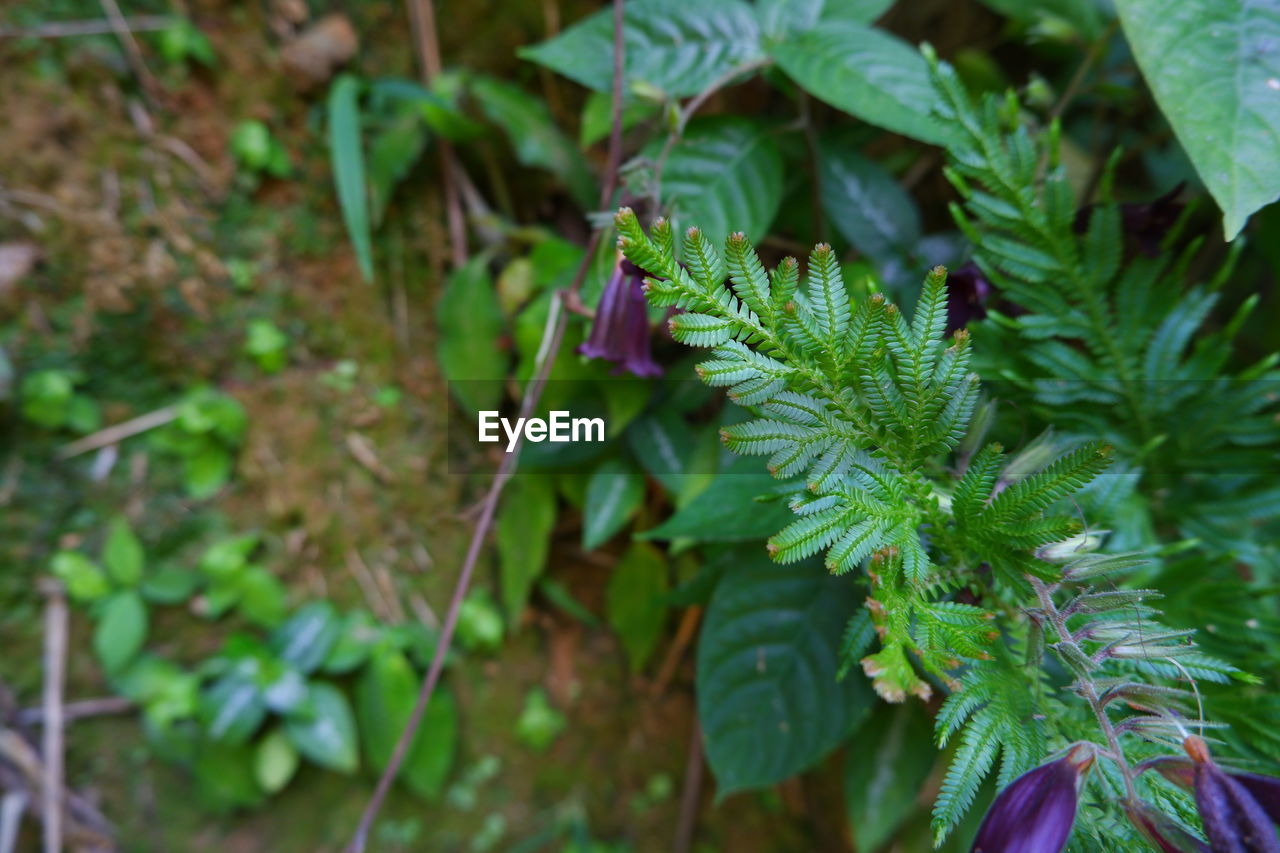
(724, 175)
(614, 492)
(866, 203)
(275, 760)
(121, 629)
(534, 135)
(886, 763)
(306, 638)
(781, 17)
(676, 46)
(470, 322)
(768, 698)
(1215, 72)
(232, 708)
(385, 695)
(866, 72)
(635, 602)
(122, 553)
(227, 556)
(524, 529)
(327, 734)
(346, 158)
(360, 632)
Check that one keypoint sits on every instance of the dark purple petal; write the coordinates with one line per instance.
(620, 330)
(967, 293)
(1265, 791)
(1035, 813)
(1161, 831)
(1233, 821)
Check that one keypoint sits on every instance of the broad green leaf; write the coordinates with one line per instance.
(85, 582)
(275, 760)
(346, 157)
(768, 698)
(614, 492)
(727, 510)
(524, 529)
(284, 689)
(327, 734)
(865, 72)
(439, 109)
(534, 135)
(385, 696)
(885, 765)
(121, 629)
(724, 175)
(308, 635)
(470, 323)
(1215, 72)
(866, 203)
(232, 708)
(635, 602)
(780, 17)
(122, 553)
(675, 46)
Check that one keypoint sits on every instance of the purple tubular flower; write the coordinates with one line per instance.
(967, 293)
(1233, 820)
(1035, 813)
(620, 330)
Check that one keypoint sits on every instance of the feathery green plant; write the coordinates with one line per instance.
(858, 410)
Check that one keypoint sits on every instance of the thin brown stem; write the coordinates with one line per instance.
(552, 335)
(69, 29)
(133, 53)
(422, 17)
(55, 667)
(1088, 689)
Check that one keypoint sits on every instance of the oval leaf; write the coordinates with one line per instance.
(768, 698)
(613, 494)
(121, 630)
(724, 175)
(865, 72)
(327, 734)
(677, 46)
(306, 638)
(1215, 71)
(122, 553)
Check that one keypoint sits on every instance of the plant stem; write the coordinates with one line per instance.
(1087, 688)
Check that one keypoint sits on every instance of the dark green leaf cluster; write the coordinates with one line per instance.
(1112, 344)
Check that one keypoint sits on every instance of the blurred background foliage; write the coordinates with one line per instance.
(226, 235)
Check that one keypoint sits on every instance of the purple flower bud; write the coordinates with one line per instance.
(1233, 820)
(1161, 831)
(1035, 813)
(967, 293)
(620, 330)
